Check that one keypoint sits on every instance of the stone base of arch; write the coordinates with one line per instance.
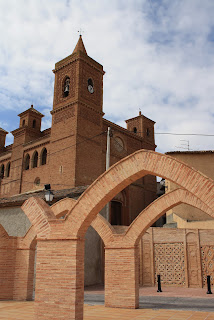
(122, 277)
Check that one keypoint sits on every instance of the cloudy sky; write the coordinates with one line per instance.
(158, 56)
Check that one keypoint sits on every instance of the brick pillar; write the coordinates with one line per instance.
(122, 277)
(24, 274)
(59, 279)
(7, 267)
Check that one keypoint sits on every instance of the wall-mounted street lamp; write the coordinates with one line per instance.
(48, 193)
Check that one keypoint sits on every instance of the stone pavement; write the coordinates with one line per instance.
(12, 310)
(153, 306)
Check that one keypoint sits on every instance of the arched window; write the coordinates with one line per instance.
(66, 87)
(44, 156)
(27, 162)
(37, 182)
(35, 160)
(23, 123)
(135, 130)
(8, 170)
(2, 171)
(34, 123)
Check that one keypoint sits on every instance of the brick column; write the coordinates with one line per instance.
(122, 277)
(59, 279)
(7, 267)
(24, 274)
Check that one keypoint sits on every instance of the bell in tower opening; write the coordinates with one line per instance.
(66, 87)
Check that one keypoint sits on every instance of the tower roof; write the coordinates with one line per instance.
(2, 131)
(80, 46)
(31, 109)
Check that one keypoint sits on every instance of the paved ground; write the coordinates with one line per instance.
(24, 311)
(167, 292)
(191, 304)
(179, 298)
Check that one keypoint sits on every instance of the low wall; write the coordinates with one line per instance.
(183, 257)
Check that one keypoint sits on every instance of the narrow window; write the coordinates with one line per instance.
(23, 123)
(8, 170)
(44, 156)
(27, 162)
(2, 172)
(34, 123)
(135, 130)
(116, 213)
(66, 87)
(35, 160)
(147, 132)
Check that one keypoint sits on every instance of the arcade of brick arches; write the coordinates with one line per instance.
(60, 242)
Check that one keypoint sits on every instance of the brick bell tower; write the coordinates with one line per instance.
(76, 120)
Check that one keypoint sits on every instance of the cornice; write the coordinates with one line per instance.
(76, 102)
(6, 157)
(75, 57)
(36, 145)
(22, 130)
(63, 107)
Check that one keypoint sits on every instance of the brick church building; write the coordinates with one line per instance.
(72, 153)
(70, 156)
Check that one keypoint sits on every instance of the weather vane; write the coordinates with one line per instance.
(80, 31)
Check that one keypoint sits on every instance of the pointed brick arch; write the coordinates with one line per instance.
(128, 170)
(146, 218)
(61, 207)
(157, 208)
(123, 260)
(38, 212)
(121, 249)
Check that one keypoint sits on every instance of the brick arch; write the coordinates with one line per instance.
(146, 218)
(62, 207)
(3, 233)
(103, 228)
(157, 208)
(39, 213)
(128, 170)
(29, 240)
(100, 224)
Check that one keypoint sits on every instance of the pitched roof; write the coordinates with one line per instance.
(31, 109)
(19, 199)
(4, 131)
(80, 46)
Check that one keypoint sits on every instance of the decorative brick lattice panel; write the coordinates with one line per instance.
(169, 263)
(207, 263)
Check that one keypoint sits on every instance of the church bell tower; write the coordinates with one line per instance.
(78, 78)
(77, 115)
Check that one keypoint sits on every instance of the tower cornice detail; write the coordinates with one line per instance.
(76, 57)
